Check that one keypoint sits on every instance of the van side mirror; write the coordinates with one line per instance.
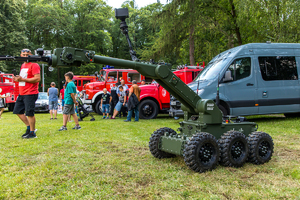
(227, 76)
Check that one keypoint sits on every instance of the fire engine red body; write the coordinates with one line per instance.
(9, 88)
(154, 98)
(81, 80)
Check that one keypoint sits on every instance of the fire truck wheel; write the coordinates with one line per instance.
(11, 107)
(98, 108)
(148, 109)
(260, 147)
(234, 149)
(155, 142)
(201, 153)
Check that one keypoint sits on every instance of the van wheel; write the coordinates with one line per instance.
(98, 108)
(148, 109)
(223, 110)
(291, 115)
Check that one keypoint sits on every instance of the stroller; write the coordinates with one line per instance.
(83, 112)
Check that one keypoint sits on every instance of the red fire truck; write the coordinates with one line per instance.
(81, 80)
(9, 88)
(154, 99)
(108, 78)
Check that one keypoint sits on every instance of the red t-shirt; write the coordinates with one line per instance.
(62, 91)
(28, 70)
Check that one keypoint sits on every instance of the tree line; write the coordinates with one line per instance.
(179, 32)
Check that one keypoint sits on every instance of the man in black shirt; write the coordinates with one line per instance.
(105, 101)
(115, 98)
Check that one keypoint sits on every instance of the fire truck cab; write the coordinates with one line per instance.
(9, 88)
(80, 81)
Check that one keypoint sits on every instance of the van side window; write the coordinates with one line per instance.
(278, 68)
(240, 68)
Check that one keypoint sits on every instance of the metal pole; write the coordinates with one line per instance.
(43, 77)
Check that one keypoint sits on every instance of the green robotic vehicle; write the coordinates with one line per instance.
(204, 138)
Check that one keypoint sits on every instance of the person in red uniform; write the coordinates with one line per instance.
(28, 79)
(62, 97)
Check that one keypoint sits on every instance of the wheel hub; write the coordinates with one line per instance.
(237, 150)
(263, 148)
(147, 109)
(206, 153)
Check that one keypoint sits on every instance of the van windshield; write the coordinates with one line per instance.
(211, 71)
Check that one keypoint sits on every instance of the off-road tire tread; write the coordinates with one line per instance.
(189, 153)
(154, 141)
(224, 143)
(253, 139)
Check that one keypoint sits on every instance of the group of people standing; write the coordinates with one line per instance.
(29, 79)
(117, 99)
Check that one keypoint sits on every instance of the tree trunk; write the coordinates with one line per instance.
(192, 45)
(191, 36)
(236, 27)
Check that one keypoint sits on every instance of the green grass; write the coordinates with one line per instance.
(110, 159)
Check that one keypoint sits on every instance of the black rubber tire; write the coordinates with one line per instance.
(223, 110)
(11, 107)
(229, 157)
(261, 147)
(148, 109)
(291, 115)
(155, 142)
(98, 108)
(195, 158)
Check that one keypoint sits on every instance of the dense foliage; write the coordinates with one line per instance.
(180, 32)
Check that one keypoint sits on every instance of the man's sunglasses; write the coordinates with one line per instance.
(25, 50)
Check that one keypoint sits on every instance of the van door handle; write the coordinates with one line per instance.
(250, 84)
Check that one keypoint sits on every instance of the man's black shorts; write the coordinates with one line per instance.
(25, 103)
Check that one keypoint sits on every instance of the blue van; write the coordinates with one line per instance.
(254, 79)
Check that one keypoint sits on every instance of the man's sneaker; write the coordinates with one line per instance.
(77, 127)
(30, 135)
(103, 117)
(63, 128)
(107, 117)
(26, 133)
